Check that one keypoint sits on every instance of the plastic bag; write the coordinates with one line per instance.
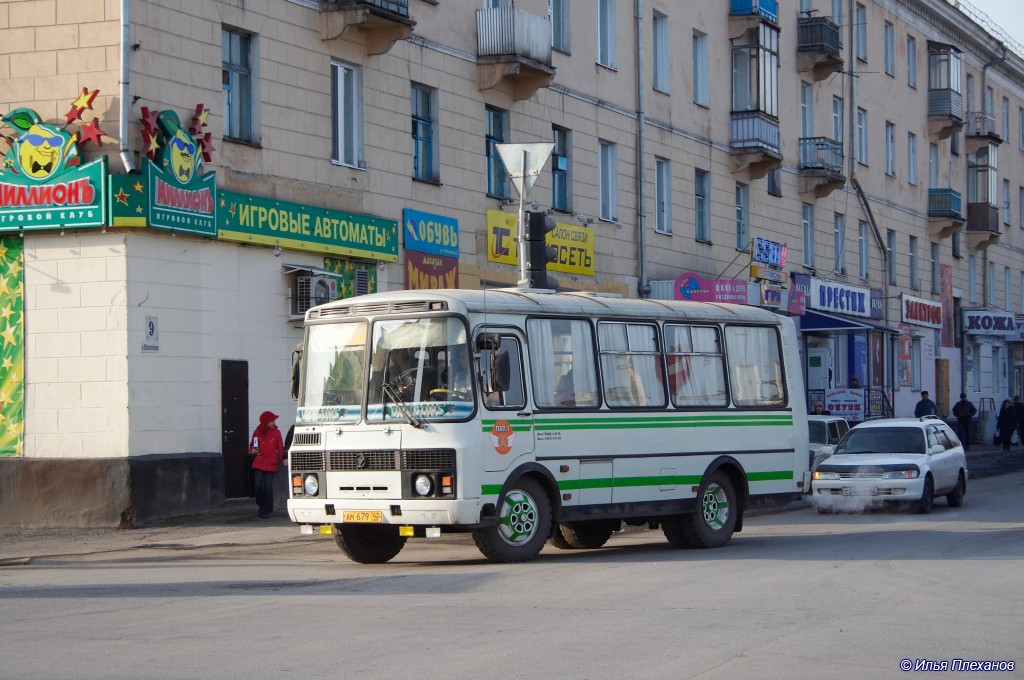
(1015, 439)
(995, 439)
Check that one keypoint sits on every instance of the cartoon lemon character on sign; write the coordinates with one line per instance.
(180, 156)
(40, 150)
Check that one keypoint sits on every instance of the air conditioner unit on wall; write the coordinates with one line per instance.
(314, 290)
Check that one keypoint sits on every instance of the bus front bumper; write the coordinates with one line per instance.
(425, 512)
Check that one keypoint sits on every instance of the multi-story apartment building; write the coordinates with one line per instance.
(225, 164)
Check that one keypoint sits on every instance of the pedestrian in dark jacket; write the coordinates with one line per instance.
(1018, 408)
(1006, 423)
(925, 407)
(964, 412)
(268, 449)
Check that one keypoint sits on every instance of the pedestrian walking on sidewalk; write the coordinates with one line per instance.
(268, 448)
(964, 411)
(925, 407)
(1006, 424)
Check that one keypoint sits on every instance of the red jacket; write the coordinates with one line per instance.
(271, 451)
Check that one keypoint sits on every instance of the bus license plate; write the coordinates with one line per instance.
(363, 516)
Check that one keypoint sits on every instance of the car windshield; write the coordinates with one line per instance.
(882, 440)
(818, 432)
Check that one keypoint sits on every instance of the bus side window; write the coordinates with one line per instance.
(515, 396)
(562, 350)
(755, 367)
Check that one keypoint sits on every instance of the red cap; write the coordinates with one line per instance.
(267, 416)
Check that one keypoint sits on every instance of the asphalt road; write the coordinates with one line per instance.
(797, 594)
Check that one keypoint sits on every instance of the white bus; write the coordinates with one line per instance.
(524, 416)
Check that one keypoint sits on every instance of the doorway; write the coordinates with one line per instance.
(234, 425)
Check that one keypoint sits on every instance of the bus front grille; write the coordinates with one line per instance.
(425, 459)
(307, 461)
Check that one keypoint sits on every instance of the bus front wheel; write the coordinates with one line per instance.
(368, 543)
(523, 526)
(712, 522)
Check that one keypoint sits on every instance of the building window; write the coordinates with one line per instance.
(497, 124)
(837, 119)
(890, 49)
(755, 71)
(972, 278)
(1006, 120)
(969, 93)
(890, 149)
(806, 110)
(701, 205)
(559, 13)
(1020, 129)
(701, 92)
(561, 177)
(862, 245)
(607, 170)
(1020, 206)
(839, 243)
(742, 216)
(236, 82)
(914, 280)
(662, 195)
(423, 115)
(837, 12)
(775, 183)
(862, 136)
(933, 166)
(990, 101)
(1021, 308)
(911, 158)
(912, 61)
(606, 33)
(860, 20)
(954, 243)
(934, 251)
(990, 289)
(954, 144)
(346, 93)
(1006, 201)
(660, 36)
(1006, 288)
(982, 183)
(808, 229)
(890, 248)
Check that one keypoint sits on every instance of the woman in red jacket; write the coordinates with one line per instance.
(267, 447)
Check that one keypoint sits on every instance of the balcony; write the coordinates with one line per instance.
(380, 23)
(513, 48)
(980, 131)
(818, 47)
(755, 143)
(747, 14)
(945, 113)
(982, 225)
(821, 166)
(945, 212)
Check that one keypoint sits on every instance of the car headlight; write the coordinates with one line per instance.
(423, 485)
(901, 474)
(311, 485)
(818, 474)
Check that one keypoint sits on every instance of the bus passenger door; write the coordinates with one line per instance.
(507, 421)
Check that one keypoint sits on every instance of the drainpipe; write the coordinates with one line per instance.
(644, 287)
(123, 124)
(984, 98)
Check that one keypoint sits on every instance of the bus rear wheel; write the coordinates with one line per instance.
(712, 522)
(523, 526)
(368, 543)
(587, 534)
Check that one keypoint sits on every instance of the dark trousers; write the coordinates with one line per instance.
(963, 430)
(263, 489)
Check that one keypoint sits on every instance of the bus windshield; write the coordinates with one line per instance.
(420, 369)
(334, 373)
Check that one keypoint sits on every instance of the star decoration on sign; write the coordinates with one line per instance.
(137, 187)
(121, 197)
(92, 132)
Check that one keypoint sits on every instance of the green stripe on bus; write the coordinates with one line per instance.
(633, 482)
(654, 423)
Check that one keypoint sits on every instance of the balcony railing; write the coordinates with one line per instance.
(754, 130)
(981, 124)
(399, 7)
(946, 104)
(982, 217)
(769, 9)
(821, 153)
(944, 203)
(818, 34)
(511, 31)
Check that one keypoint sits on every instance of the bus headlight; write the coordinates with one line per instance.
(423, 485)
(311, 485)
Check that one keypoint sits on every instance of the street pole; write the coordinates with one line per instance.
(522, 234)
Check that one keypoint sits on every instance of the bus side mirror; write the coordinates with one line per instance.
(501, 373)
(296, 364)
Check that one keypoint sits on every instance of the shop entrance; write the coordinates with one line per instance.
(234, 421)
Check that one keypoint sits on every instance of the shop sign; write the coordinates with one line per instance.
(574, 244)
(771, 296)
(691, 287)
(877, 304)
(799, 289)
(766, 274)
(43, 183)
(848, 403)
(253, 219)
(424, 271)
(768, 252)
(431, 234)
(989, 323)
(830, 296)
(921, 312)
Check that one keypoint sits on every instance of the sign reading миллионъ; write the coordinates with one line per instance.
(252, 219)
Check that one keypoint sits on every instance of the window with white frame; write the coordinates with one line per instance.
(911, 158)
(237, 61)
(347, 95)
(890, 248)
(606, 33)
(755, 70)
(1006, 201)
(862, 246)
(806, 110)
(837, 119)
(860, 20)
(912, 61)
(808, 232)
(742, 216)
(972, 278)
(839, 243)
(702, 205)
(862, 136)
(701, 92)
(934, 247)
(662, 195)
(990, 101)
(890, 148)
(558, 11)
(608, 174)
(890, 48)
(561, 174)
(914, 280)
(933, 166)
(837, 12)
(660, 37)
(982, 168)
(423, 117)
(497, 127)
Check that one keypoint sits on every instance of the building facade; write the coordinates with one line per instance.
(225, 164)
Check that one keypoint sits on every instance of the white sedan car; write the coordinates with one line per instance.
(893, 459)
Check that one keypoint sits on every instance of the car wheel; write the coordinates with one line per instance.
(924, 505)
(712, 522)
(523, 526)
(368, 543)
(956, 498)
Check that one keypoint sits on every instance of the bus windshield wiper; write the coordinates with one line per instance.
(389, 391)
